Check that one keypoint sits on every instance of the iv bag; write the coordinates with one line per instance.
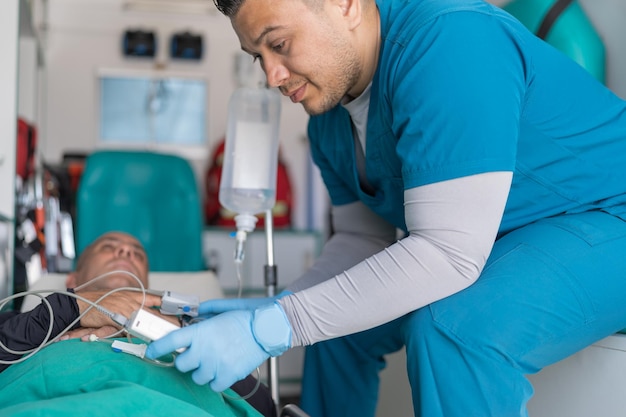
(248, 183)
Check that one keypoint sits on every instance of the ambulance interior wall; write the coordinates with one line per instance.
(84, 37)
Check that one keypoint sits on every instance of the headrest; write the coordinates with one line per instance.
(149, 195)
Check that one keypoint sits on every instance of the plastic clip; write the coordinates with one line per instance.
(137, 349)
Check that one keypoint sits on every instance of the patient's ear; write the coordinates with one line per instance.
(70, 281)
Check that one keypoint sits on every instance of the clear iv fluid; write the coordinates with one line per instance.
(247, 200)
(248, 182)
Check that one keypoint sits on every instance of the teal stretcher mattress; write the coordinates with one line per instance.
(74, 378)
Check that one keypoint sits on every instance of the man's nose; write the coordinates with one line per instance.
(124, 250)
(275, 72)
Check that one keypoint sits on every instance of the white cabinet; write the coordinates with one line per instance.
(294, 253)
(591, 382)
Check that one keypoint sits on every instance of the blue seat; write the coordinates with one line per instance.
(152, 196)
(571, 32)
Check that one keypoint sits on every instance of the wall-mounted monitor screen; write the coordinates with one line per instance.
(146, 108)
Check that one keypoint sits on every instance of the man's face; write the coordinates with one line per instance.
(112, 252)
(307, 54)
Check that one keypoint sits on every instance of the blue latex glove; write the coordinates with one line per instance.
(212, 307)
(224, 349)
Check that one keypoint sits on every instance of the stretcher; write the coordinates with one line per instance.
(204, 284)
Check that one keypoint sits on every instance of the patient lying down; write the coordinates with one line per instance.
(71, 369)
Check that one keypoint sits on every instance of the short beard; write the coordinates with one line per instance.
(346, 69)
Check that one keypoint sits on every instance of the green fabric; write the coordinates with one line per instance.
(152, 196)
(74, 378)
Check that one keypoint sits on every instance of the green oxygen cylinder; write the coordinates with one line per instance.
(571, 31)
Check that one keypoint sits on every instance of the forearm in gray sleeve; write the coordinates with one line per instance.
(359, 233)
(452, 224)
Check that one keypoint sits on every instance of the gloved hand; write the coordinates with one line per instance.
(212, 307)
(228, 347)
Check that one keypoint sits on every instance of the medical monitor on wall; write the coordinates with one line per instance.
(150, 108)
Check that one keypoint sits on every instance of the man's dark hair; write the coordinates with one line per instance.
(228, 7)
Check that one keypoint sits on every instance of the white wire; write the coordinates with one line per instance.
(92, 304)
(251, 393)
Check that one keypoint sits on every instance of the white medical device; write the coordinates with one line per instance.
(148, 327)
(176, 304)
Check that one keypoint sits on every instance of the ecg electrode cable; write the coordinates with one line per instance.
(47, 340)
(116, 317)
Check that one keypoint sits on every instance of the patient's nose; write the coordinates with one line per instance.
(124, 250)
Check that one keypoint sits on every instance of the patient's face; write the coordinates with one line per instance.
(112, 252)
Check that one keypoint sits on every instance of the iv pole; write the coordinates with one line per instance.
(271, 281)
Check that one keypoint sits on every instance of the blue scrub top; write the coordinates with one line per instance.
(463, 88)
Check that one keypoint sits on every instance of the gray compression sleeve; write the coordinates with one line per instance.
(452, 227)
(349, 244)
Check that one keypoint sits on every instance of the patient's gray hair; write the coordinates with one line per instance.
(86, 254)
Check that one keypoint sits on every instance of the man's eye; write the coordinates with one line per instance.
(279, 47)
(256, 58)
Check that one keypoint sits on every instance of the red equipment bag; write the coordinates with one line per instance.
(25, 152)
(216, 215)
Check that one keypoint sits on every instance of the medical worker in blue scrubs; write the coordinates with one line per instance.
(503, 163)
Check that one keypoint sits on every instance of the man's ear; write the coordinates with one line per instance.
(70, 281)
(351, 11)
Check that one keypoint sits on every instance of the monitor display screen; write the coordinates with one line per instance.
(136, 110)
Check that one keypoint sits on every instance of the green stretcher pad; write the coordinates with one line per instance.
(74, 378)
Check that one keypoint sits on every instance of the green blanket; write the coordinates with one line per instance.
(74, 378)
